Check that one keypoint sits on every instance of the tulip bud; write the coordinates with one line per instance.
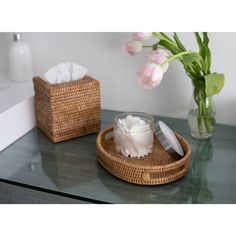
(159, 56)
(134, 47)
(150, 75)
(141, 36)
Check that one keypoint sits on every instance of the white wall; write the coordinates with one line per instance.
(105, 56)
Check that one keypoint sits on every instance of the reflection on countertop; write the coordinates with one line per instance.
(71, 167)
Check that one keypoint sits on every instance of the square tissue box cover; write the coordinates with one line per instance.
(67, 110)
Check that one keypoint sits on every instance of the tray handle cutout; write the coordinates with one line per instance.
(157, 176)
(107, 133)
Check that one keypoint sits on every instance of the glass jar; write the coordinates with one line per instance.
(133, 134)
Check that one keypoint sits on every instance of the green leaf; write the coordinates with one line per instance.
(191, 58)
(204, 51)
(200, 45)
(214, 84)
(208, 53)
(207, 62)
(205, 39)
(169, 46)
(166, 37)
(179, 43)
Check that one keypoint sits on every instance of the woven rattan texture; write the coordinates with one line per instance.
(157, 168)
(67, 110)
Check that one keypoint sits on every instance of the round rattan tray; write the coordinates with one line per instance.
(157, 168)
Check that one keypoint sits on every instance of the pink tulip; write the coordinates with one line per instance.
(134, 47)
(150, 75)
(141, 36)
(159, 56)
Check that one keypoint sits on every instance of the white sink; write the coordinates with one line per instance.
(17, 116)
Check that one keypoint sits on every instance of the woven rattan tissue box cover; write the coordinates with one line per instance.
(67, 110)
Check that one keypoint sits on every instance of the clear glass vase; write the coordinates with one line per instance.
(201, 115)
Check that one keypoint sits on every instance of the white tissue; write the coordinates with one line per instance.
(65, 72)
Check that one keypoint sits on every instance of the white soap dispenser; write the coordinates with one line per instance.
(20, 60)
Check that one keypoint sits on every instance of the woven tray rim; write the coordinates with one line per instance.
(132, 165)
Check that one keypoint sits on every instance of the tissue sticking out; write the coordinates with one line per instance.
(133, 137)
(65, 72)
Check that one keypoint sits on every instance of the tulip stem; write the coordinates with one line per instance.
(169, 59)
(147, 46)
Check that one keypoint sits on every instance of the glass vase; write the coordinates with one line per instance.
(201, 115)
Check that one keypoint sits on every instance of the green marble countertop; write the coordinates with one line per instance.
(70, 169)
